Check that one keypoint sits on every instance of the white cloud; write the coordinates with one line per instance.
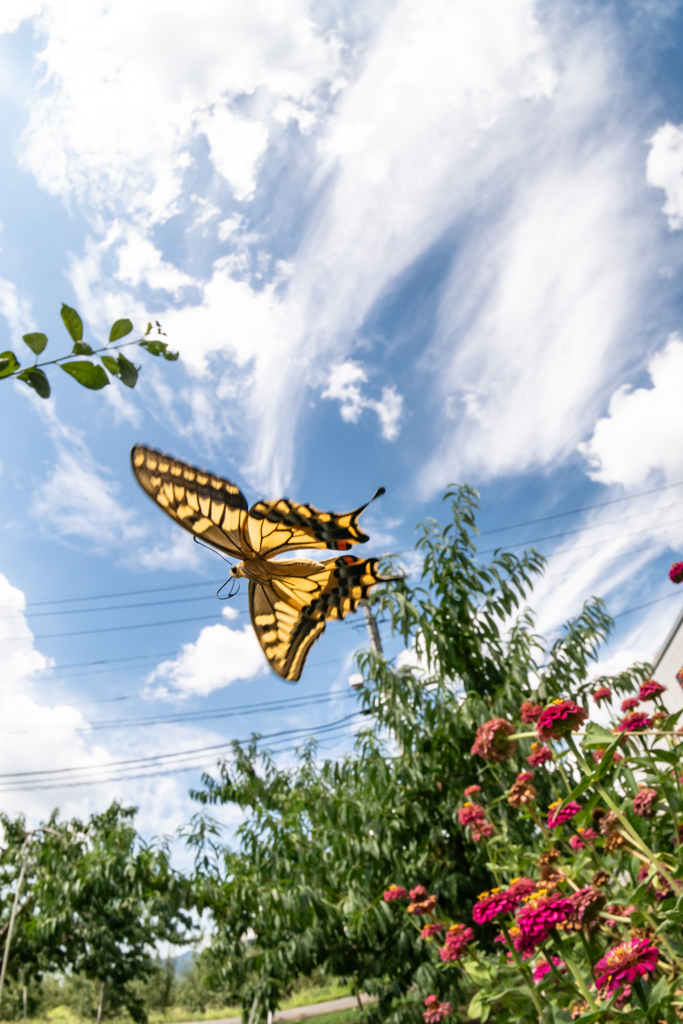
(141, 262)
(78, 500)
(236, 145)
(343, 386)
(179, 552)
(665, 170)
(218, 657)
(641, 430)
(17, 312)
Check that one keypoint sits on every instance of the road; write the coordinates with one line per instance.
(302, 1012)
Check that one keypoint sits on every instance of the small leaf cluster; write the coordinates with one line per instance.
(89, 374)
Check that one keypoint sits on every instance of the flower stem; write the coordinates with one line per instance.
(562, 949)
(524, 971)
(635, 838)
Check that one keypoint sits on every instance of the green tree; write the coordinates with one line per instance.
(321, 841)
(97, 900)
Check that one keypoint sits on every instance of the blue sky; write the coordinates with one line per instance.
(400, 243)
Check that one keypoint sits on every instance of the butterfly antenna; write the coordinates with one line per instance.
(234, 589)
(213, 551)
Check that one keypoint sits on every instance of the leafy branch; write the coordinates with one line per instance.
(87, 373)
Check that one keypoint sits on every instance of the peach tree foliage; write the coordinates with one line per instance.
(92, 375)
(95, 901)
(321, 841)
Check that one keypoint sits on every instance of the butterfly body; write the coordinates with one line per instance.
(290, 600)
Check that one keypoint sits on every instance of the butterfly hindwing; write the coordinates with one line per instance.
(286, 636)
(206, 505)
(273, 526)
(289, 613)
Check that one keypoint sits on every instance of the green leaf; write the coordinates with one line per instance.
(8, 363)
(128, 372)
(596, 737)
(81, 348)
(120, 329)
(159, 348)
(36, 379)
(86, 373)
(73, 324)
(36, 342)
(475, 1007)
(111, 365)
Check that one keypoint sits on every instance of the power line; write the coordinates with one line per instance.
(637, 608)
(174, 755)
(124, 593)
(189, 716)
(584, 508)
(111, 608)
(582, 529)
(115, 629)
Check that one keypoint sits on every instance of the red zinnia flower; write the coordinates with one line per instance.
(676, 572)
(649, 689)
(542, 912)
(471, 814)
(431, 929)
(555, 820)
(491, 741)
(529, 712)
(482, 831)
(602, 693)
(643, 801)
(539, 755)
(629, 704)
(543, 967)
(457, 937)
(490, 904)
(625, 964)
(558, 718)
(435, 1011)
(394, 892)
(471, 790)
(634, 721)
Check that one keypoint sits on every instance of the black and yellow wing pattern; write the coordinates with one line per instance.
(290, 612)
(204, 504)
(289, 601)
(273, 526)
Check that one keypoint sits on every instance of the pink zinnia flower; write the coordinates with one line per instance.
(542, 912)
(559, 818)
(585, 835)
(490, 904)
(629, 704)
(471, 814)
(539, 755)
(543, 967)
(560, 717)
(432, 929)
(471, 790)
(529, 712)
(625, 964)
(520, 888)
(394, 892)
(676, 572)
(599, 754)
(649, 689)
(643, 801)
(634, 721)
(483, 831)
(435, 1011)
(491, 741)
(457, 937)
(422, 903)
(602, 693)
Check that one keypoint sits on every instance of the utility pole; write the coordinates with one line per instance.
(373, 628)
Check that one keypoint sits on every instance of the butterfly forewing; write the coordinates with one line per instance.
(206, 505)
(273, 526)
